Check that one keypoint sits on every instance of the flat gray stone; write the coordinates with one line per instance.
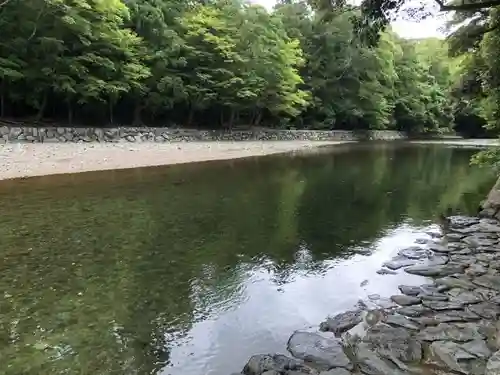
(488, 281)
(449, 353)
(479, 348)
(438, 248)
(404, 300)
(324, 352)
(485, 310)
(459, 221)
(449, 316)
(394, 343)
(476, 270)
(401, 321)
(465, 296)
(414, 253)
(459, 332)
(455, 282)
(489, 227)
(399, 262)
(433, 296)
(476, 241)
(441, 270)
(412, 311)
(342, 322)
(442, 305)
(493, 364)
(259, 364)
(454, 236)
(436, 260)
(336, 371)
(410, 290)
(370, 363)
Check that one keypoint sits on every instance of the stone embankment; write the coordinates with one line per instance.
(447, 325)
(128, 134)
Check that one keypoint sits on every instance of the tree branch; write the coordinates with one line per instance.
(469, 6)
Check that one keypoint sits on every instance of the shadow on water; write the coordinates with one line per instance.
(191, 269)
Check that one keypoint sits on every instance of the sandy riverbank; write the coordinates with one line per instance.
(39, 159)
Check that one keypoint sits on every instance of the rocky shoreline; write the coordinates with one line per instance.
(447, 325)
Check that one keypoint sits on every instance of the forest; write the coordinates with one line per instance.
(225, 63)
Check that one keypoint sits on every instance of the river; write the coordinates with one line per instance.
(191, 269)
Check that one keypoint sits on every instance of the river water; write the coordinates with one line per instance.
(189, 270)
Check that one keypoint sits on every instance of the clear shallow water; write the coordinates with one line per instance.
(192, 269)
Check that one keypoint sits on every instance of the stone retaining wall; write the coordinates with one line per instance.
(126, 134)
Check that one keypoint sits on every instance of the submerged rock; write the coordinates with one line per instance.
(385, 271)
(342, 322)
(324, 352)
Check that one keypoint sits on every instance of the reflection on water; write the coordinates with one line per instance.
(191, 269)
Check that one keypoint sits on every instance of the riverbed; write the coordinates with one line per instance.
(191, 269)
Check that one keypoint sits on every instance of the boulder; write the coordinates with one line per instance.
(324, 352)
(342, 322)
(259, 364)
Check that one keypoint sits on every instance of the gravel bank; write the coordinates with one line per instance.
(26, 160)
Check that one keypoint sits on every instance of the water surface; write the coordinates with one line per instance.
(189, 270)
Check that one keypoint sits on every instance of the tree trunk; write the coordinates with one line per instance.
(111, 112)
(222, 118)
(190, 116)
(258, 117)
(70, 112)
(2, 100)
(231, 118)
(137, 114)
(41, 110)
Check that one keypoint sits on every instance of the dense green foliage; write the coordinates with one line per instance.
(214, 63)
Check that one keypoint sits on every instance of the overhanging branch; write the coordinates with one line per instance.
(469, 6)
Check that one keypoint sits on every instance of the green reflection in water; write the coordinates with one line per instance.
(103, 273)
